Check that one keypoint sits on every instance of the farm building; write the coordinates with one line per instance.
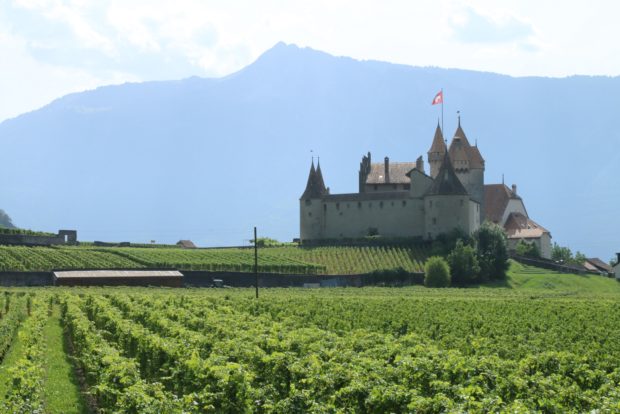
(597, 265)
(170, 278)
(186, 244)
(616, 268)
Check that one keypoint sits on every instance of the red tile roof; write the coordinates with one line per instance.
(496, 197)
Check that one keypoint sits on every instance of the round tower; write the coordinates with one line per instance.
(310, 210)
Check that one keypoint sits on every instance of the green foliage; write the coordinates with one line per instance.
(492, 251)
(463, 262)
(281, 259)
(444, 243)
(267, 242)
(345, 350)
(579, 258)
(436, 272)
(24, 385)
(13, 230)
(527, 249)
(561, 254)
(564, 255)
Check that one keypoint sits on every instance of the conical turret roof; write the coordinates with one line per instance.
(439, 145)
(315, 187)
(446, 182)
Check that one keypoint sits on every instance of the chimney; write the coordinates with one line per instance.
(514, 189)
(387, 170)
(419, 164)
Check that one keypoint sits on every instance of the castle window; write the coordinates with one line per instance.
(477, 207)
(325, 208)
(359, 204)
(404, 203)
(375, 187)
(309, 213)
(381, 204)
(430, 203)
(407, 186)
(392, 204)
(338, 206)
(394, 186)
(308, 202)
(348, 205)
(434, 220)
(461, 202)
(369, 205)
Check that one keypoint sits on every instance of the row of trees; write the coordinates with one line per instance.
(461, 259)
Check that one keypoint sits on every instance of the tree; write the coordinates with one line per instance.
(579, 258)
(5, 220)
(527, 249)
(436, 272)
(561, 254)
(463, 264)
(492, 251)
(444, 243)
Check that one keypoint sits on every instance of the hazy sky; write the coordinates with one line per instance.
(51, 47)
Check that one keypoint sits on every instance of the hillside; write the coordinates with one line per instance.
(207, 159)
(524, 278)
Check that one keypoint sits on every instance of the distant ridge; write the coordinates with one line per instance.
(207, 159)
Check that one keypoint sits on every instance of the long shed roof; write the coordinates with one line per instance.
(69, 274)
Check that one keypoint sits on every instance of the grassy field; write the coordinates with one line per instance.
(523, 277)
(539, 342)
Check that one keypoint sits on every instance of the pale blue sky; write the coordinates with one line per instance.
(53, 47)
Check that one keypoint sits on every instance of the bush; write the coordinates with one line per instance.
(436, 272)
(492, 251)
(463, 264)
(527, 249)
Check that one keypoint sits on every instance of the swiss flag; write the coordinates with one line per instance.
(438, 98)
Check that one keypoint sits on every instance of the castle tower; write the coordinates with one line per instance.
(437, 152)
(468, 165)
(311, 218)
(448, 205)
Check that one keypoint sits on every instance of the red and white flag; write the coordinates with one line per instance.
(438, 98)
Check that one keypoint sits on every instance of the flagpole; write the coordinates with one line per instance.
(442, 132)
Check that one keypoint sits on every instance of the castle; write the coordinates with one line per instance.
(399, 199)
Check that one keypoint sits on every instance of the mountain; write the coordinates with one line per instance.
(207, 159)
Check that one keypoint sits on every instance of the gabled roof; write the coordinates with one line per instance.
(398, 173)
(315, 187)
(439, 145)
(446, 182)
(496, 197)
(519, 226)
(599, 264)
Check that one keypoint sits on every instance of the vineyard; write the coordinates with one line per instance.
(336, 350)
(289, 259)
